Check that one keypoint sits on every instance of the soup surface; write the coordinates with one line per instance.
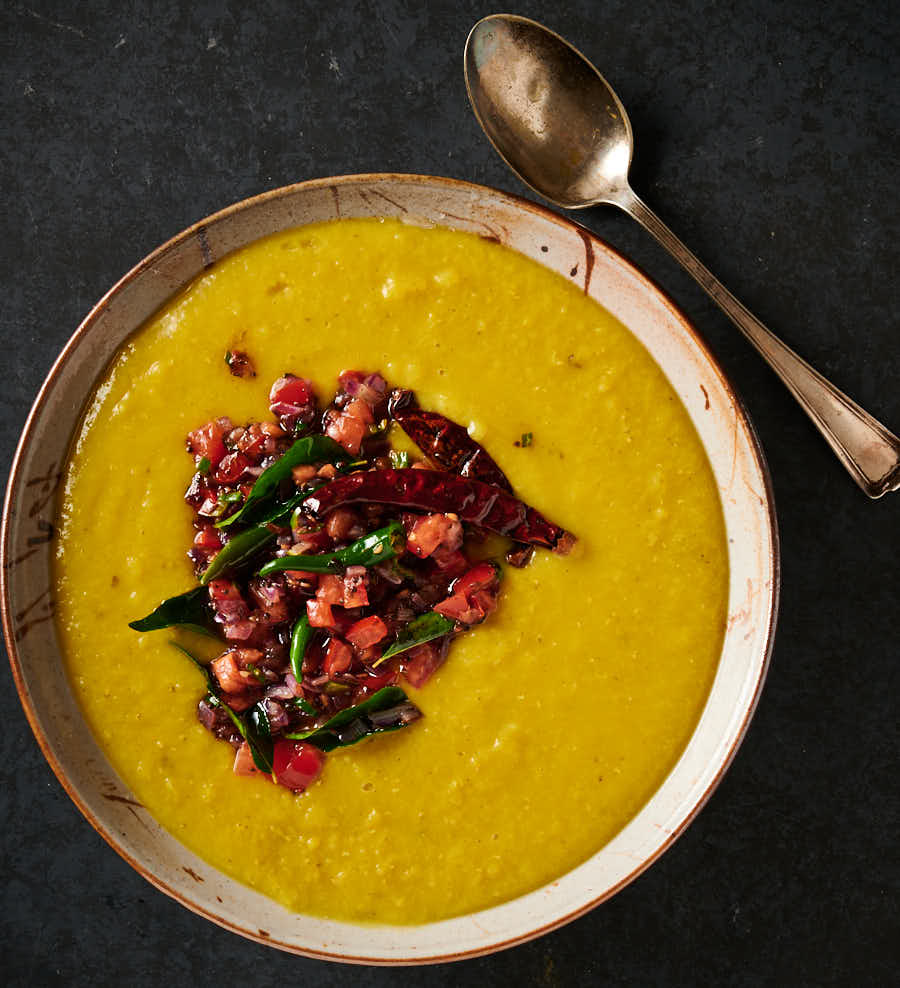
(548, 727)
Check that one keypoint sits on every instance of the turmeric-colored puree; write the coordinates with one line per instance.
(550, 725)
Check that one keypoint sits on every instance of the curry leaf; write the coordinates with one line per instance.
(422, 629)
(254, 730)
(188, 610)
(258, 735)
(387, 710)
(310, 449)
(207, 672)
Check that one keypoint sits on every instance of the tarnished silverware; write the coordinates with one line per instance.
(560, 127)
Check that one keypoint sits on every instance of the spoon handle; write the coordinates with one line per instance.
(867, 449)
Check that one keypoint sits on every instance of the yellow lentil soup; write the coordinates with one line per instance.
(550, 725)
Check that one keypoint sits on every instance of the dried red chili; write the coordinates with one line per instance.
(444, 441)
(430, 490)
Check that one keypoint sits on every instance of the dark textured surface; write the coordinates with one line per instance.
(767, 137)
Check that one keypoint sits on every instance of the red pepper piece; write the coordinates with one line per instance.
(431, 490)
(445, 441)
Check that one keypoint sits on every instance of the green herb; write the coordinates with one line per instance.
(231, 497)
(254, 730)
(188, 610)
(399, 459)
(299, 640)
(258, 735)
(387, 710)
(376, 547)
(422, 629)
(526, 439)
(311, 449)
(204, 465)
(238, 550)
(229, 356)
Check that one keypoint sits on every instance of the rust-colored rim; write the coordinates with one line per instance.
(84, 328)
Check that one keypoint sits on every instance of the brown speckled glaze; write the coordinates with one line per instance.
(27, 541)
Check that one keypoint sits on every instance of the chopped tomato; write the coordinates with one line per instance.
(425, 534)
(319, 614)
(296, 765)
(366, 632)
(355, 587)
(290, 390)
(480, 577)
(243, 761)
(229, 669)
(207, 538)
(338, 658)
(486, 600)
(227, 672)
(331, 589)
(348, 430)
(458, 608)
(422, 662)
(359, 409)
(373, 683)
(208, 442)
(250, 441)
(473, 595)
(231, 468)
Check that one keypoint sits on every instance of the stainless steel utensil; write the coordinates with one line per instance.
(560, 127)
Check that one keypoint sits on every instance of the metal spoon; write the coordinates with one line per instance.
(560, 127)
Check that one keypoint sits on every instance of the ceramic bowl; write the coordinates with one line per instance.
(27, 545)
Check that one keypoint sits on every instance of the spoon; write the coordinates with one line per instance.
(560, 127)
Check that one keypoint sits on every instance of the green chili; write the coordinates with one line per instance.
(376, 547)
(299, 640)
(238, 550)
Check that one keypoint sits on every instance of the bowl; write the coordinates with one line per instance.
(717, 413)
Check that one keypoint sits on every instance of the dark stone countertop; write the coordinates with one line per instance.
(767, 135)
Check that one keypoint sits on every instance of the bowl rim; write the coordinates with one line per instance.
(197, 230)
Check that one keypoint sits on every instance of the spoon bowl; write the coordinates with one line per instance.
(548, 112)
(561, 128)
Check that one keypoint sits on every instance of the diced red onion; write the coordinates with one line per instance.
(206, 715)
(239, 631)
(281, 692)
(276, 714)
